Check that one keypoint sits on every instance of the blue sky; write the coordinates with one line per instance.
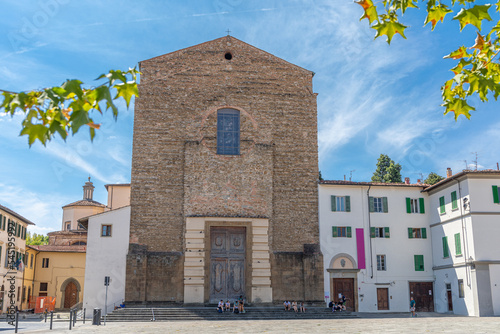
(373, 98)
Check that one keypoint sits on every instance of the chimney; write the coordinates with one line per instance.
(419, 181)
(88, 190)
(449, 173)
(407, 180)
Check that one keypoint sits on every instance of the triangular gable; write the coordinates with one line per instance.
(217, 45)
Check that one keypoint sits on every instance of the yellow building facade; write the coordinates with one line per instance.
(57, 270)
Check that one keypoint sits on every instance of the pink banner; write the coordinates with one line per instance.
(360, 245)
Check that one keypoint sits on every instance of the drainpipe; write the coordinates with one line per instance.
(369, 230)
(464, 232)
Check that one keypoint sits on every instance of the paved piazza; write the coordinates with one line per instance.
(428, 323)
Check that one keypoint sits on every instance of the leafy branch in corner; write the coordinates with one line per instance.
(478, 70)
(66, 108)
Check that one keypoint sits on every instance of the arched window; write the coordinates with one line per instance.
(228, 131)
(78, 243)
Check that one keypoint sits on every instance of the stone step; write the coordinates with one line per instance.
(210, 313)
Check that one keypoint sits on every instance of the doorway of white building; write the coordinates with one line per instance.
(344, 286)
(423, 294)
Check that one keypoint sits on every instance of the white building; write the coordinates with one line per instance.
(107, 248)
(376, 245)
(465, 225)
(12, 274)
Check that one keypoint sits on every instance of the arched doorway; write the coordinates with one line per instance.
(70, 293)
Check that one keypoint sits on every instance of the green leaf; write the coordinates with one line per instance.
(389, 28)
(436, 14)
(473, 16)
(370, 10)
(459, 107)
(457, 54)
(126, 90)
(78, 118)
(34, 132)
(73, 87)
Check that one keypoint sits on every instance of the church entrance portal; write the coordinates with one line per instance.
(227, 263)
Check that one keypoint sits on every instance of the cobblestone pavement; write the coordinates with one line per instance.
(367, 323)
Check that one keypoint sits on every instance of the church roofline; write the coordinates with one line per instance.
(231, 37)
(85, 202)
(117, 185)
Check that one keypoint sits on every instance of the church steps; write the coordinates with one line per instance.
(210, 313)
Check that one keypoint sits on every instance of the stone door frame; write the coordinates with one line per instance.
(197, 258)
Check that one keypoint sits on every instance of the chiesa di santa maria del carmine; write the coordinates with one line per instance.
(224, 192)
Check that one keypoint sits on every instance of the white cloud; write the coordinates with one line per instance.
(42, 209)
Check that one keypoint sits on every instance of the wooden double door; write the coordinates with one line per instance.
(422, 293)
(344, 286)
(227, 263)
(70, 295)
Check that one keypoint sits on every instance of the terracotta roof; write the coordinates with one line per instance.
(53, 248)
(85, 202)
(462, 173)
(17, 215)
(352, 183)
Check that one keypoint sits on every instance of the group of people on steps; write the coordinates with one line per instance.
(238, 306)
(293, 306)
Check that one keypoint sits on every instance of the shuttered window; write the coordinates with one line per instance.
(454, 205)
(379, 204)
(442, 209)
(496, 197)
(417, 233)
(341, 232)
(458, 245)
(446, 251)
(419, 262)
(2, 227)
(341, 203)
(379, 232)
(415, 205)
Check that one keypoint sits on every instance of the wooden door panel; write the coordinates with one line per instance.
(344, 286)
(227, 263)
(236, 278)
(70, 295)
(423, 294)
(237, 243)
(383, 298)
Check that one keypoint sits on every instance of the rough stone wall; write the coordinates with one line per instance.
(176, 172)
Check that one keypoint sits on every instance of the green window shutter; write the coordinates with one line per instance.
(454, 205)
(334, 231)
(384, 204)
(386, 232)
(1, 219)
(334, 204)
(419, 262)
(349, 234)
(441, 205)
(408, 205)
(446, 253)
(348, 203)
(458, 245)
(422, 205)
(372, 232)
(495, 194)
(410, 233)
(424, 233)
(372, 205)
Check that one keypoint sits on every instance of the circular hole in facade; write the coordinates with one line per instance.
(228, 56)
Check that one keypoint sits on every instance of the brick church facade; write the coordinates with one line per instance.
(224, 197)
